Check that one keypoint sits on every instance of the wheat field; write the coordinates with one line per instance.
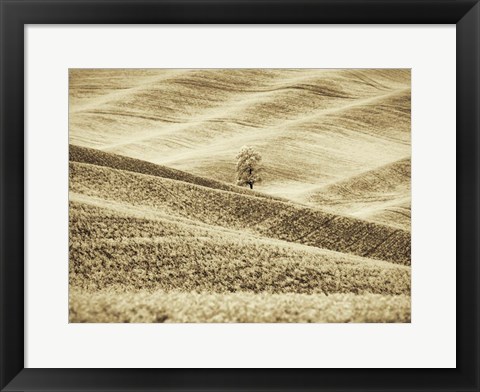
(160, 232)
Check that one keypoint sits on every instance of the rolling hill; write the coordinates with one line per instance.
(137, 233)
(312, 127)
(114, 161)
(271, 218)
(381, 195)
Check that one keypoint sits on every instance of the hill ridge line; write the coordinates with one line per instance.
(185, 71)
(362, 173)
(259, 195)
(157, 216)
(105, 98)
(83, 151)
(213, 117)
(359, 236)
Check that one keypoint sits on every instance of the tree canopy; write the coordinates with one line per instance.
(248, 166)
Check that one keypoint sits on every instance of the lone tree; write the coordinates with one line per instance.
(248, 166)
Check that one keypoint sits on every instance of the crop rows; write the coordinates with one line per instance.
(146, 307)
(269, 218)
(114, 161)
(108, 249)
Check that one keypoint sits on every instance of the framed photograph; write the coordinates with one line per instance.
(239, 195)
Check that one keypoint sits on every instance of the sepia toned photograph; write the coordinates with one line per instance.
(239, 195)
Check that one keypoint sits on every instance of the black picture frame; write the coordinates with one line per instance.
(15, 14)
